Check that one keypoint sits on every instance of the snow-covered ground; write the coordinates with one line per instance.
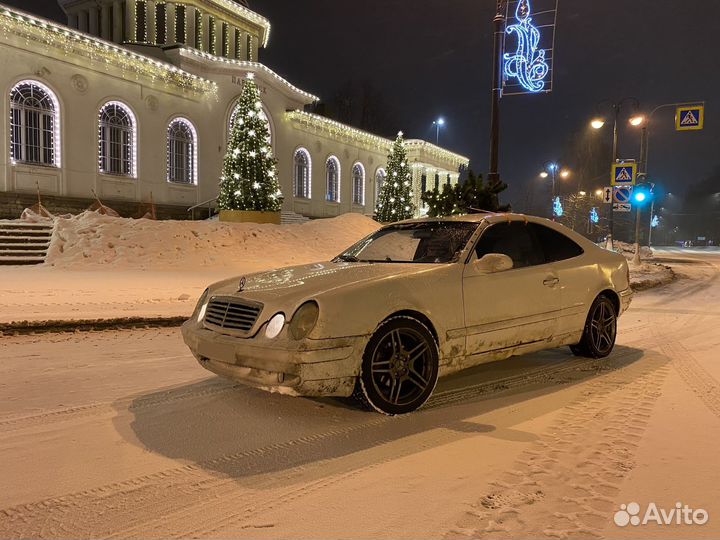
(103, 267)
(106, 267)
(121, 434)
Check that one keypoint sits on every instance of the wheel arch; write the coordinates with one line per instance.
(613, 297)
(418, 316)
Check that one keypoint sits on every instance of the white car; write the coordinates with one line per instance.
(413, 301)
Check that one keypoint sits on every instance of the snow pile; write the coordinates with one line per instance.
(92, 240)
(628, 250)
(649, 275)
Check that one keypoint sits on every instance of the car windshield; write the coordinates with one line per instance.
(425, 242)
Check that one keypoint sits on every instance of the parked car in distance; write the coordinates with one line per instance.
(413, 301)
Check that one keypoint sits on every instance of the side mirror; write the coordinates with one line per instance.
(492, 263)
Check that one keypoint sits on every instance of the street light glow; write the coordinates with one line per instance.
(640, 196)
(637, 120)
(599, 192)
(597, 123)
(564, 173)
(544, 174)
(582, 193)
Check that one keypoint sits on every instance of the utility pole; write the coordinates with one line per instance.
(499, 32)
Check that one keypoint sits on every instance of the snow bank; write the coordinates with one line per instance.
(628, 250)
(649, 275)
(91, 240)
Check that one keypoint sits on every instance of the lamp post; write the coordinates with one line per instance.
(552, 169)
(615, 108)
(499, 36)
(645, 145)
(437, 123)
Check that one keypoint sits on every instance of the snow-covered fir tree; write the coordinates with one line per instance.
(395, 200)
(249, 177)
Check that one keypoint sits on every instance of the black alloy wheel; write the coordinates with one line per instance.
(600, 331)
(400, 367)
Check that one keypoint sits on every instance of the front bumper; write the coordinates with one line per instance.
(327, 367)
(625, 299)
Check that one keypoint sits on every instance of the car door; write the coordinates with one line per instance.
(577, 275)
(512, 307)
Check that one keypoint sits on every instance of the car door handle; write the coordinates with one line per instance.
(551, 281)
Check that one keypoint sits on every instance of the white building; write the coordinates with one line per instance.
(133, 100)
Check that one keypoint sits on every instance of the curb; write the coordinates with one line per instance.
(88, 325)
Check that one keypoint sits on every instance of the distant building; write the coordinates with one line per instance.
(134, 99)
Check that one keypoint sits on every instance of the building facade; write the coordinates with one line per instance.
(133, 101)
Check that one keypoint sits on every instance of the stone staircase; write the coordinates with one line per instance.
(291, 218)
(23, 243)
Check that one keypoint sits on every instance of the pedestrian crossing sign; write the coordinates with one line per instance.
(624, 173)
(690, 118)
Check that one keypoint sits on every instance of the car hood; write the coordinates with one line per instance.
(299, 283)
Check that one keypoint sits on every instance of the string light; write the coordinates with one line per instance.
(77, 44)
(194, 171)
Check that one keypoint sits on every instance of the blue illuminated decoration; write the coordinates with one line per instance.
(655, 222)
(594, 217)
(557, 207)
(528, 65)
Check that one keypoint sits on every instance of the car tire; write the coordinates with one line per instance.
(400, 367)
(600, 330)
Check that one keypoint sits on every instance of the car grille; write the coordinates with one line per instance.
(232, 314)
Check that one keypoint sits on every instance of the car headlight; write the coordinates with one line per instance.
(202, 305)
(275, 326)
(304, 320)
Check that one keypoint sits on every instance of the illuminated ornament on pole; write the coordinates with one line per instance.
(528, 64)
(654, 222)
(557, 207)
(594, 217)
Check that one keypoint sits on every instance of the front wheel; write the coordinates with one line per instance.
(598, 337)
(400, 367)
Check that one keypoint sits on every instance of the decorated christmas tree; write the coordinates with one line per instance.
(249, 177)
(395, 199)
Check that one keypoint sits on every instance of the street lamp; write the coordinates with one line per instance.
(552, 169)
(437, 123)
(615, 108)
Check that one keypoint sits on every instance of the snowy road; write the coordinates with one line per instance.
(121, 434)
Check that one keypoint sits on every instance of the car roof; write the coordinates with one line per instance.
(504, 217)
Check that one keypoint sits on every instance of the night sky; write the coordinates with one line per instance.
(431, 58)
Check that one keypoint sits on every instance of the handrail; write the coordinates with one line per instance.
(209, 204)
(202, 204)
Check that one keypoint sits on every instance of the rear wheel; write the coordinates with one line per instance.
(598, 337)
(400, 367)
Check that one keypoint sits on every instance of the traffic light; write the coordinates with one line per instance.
(642, 194)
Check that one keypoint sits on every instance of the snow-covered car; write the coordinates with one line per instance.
(415, 300)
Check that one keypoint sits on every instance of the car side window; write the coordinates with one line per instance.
(513, 239)
(555, 245)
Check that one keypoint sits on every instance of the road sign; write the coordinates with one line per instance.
(622, 194)
(622, 207)
(624, 173)
(608, 195)
(690, 118)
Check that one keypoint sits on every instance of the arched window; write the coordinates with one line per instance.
(332, 173)
(34, 124)
(358, 184)
(380, 177)
(182, 152)
(301, 174)
(118, 140)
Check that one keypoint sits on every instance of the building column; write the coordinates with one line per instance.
(192, 30)
(150, 27)
(73, 20)
(170, 23)
(83, 20)
(130, 21)
(218, 38)
(205, 44)
(253, 53)
(106, 31)
(231, 41)
(93, 15)
(117, 24)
